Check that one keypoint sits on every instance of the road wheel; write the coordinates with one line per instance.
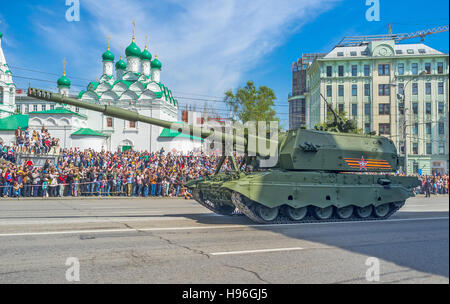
(323, 213)
(382, 210)
(296, 214)
(266, 213)
(364, 212)
(344, 212)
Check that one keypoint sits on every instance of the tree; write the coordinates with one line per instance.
(344, 124)
(251, 104)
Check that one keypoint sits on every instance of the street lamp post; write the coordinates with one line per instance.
(402, 96)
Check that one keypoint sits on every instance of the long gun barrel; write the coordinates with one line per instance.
(120, 113)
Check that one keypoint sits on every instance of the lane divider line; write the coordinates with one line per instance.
(257, 251)
(214, 227)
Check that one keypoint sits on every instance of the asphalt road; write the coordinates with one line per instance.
(179, 241)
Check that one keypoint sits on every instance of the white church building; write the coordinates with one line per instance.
(133, 85)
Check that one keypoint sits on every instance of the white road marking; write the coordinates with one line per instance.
(256, 251)
(213, 227)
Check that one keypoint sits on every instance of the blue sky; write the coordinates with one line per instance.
(205, 46)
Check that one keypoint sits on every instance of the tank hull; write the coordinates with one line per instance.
(305, 194)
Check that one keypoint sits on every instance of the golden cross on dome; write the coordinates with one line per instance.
(121, 50)
(64, 66)
(146, 37)
(134, 24)
(109, 38)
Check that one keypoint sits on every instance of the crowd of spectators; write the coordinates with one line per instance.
(436, 184)
(87, 173)
(30, 142)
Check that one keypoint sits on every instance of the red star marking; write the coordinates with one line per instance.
(362, 163)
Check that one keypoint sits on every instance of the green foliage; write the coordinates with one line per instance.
(251, 104)
(344, 124)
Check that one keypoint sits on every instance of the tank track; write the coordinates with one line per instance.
(212, 206)
(247, 207)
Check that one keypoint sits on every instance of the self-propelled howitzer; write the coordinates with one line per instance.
(317, 175)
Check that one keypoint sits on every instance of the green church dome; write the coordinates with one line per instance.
(133, 50)
(121, 65)
(63, 81)
(156, 64)
(146, 55)
(108, 56)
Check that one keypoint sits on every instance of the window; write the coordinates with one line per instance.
(329, 71)
(428, 108)
(383, 70)
(354, 70)
(367, 109)
(132, 124)
(52, 107)
(366, 70)
(401, 88)
(415, 148)
(401, 69)
(440, 107)
(354, 109)
(415, 68)
(35, 108)
(429, 148)
(109, 122)
(384, 90)
(415, 108)
(441, 128)
(26, 109)
(1, 95)
(352, 53)
(410, 51)
(341, 107)
(384, 109)
(18, 109)
(354, 90)
(340, 54)
(428, 68)
(428, 88)
(365, 53)
(340, 90)
(415, 88)
(440, 88)
(442, 148)
(367, 89)
(340, 70)
(77, 109)
(440, 68)
(385, 129)
(421, 51)
(43, 107)
(398, 52)
(329, 90)
(367, 128)
(416, 129)
(428, 128)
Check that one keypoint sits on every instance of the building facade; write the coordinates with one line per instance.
(377, 84)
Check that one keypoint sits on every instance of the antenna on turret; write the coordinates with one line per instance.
(337, 118)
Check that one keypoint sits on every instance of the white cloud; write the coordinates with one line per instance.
(205, 46)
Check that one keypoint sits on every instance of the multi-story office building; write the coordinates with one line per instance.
(369, 83)
(297, 98)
